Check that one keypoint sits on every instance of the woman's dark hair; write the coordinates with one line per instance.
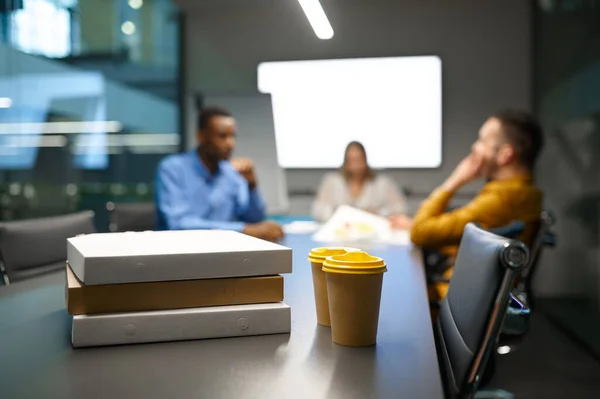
(370, 174)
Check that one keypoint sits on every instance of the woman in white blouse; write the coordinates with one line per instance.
(356, 184)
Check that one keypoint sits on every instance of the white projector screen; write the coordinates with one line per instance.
(392, 105)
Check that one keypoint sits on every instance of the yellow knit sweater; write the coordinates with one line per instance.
(498, 204)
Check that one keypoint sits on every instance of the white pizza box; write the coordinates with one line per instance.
(133, 257)
(180, 324)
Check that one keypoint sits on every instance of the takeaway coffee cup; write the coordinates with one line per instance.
(354, 283)
(316, 258)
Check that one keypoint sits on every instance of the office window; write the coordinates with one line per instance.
(42, 27)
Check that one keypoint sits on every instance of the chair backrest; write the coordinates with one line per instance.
(437, 263)
(135, 216)
(31, 244)
(472, 313)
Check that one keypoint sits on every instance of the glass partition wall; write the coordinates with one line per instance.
(567, 92)
(89, 93)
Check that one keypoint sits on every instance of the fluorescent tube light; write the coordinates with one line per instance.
(317, 18)
(60, 127)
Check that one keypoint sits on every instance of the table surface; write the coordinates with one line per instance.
(37, 360)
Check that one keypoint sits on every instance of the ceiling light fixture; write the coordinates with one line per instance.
(5, 102)
(317, 18)
(17, 128)
(128, 28)
(136, 4)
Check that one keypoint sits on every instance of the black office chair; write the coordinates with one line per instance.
(544, 238)
(134, 216)
(29, 248)
(471, 315)
(437, 263)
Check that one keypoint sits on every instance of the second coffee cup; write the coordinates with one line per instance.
(316, 258)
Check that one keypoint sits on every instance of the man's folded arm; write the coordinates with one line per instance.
(256, 209)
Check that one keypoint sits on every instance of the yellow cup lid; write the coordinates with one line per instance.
(354, 263)
(318, 255)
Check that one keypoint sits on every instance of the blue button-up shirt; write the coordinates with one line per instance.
(188, 196)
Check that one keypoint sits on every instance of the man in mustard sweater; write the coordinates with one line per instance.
(504, 154)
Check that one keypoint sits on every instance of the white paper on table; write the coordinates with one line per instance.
(350, 224)
(301, 227)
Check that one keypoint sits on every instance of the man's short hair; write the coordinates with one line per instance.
(208, 113)
(522, 130)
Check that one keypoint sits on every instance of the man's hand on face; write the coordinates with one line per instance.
(468, 169)
(266, 230)
(245, 167)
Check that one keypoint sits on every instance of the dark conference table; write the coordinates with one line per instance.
(37, 360)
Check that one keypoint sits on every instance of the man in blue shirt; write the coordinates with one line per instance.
(201, 189)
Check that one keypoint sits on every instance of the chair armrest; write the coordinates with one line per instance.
(517, 317)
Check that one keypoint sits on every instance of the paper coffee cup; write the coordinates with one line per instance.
(316, 258)
(354, 283)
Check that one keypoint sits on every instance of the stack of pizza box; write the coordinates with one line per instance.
(158, 286)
